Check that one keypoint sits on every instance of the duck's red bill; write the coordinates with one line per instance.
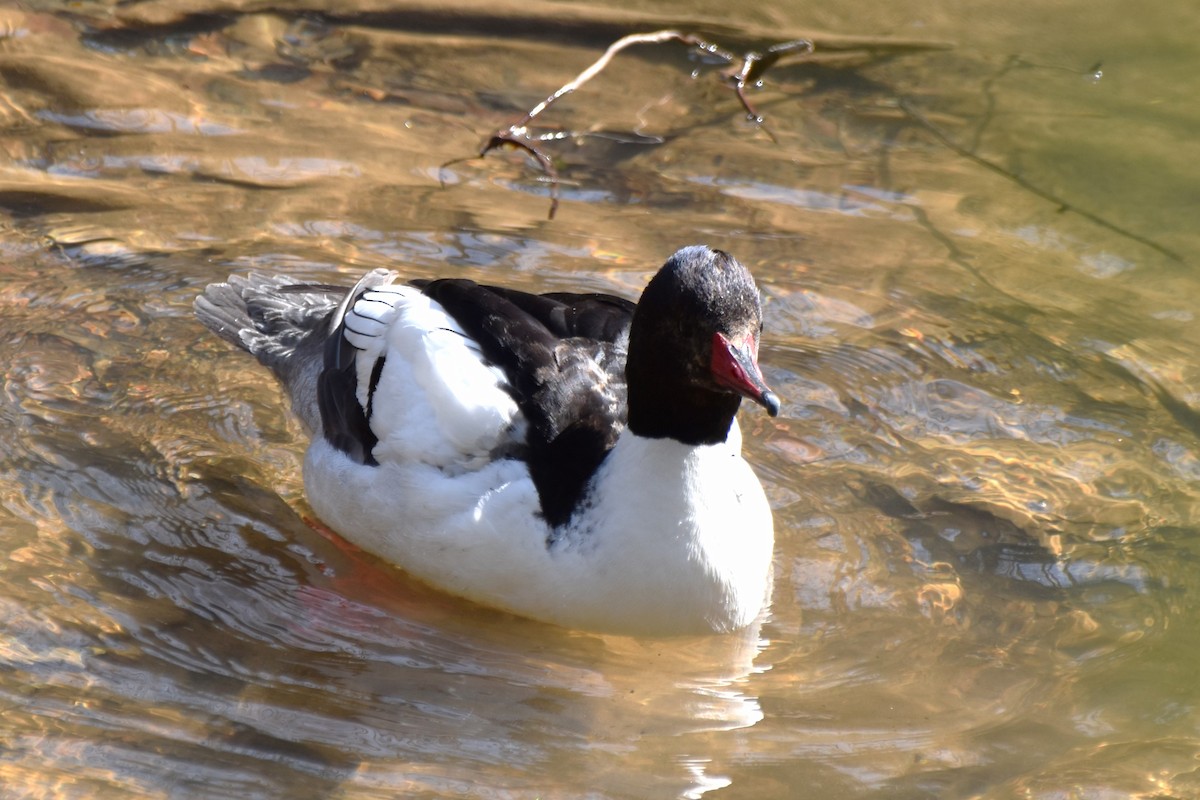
(735, 366)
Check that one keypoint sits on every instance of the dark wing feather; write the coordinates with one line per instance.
(345, 423)
(564, 357)
(602, 317)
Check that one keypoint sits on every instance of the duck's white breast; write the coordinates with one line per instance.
(675, 538)
(671, 540)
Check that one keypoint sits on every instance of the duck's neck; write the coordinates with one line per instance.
(664, 399)
(691, 416)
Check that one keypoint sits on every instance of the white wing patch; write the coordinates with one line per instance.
(366, 324)
(436, 401)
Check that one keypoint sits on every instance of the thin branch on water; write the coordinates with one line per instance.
(755, 65)
(751, 70)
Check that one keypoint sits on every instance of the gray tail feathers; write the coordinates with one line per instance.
(281, 323)
(285, 325)
(268, 316)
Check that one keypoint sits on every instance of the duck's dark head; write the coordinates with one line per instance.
(693, 349)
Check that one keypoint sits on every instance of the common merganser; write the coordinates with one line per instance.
(573, 458)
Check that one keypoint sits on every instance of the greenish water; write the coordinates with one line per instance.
(976, 232)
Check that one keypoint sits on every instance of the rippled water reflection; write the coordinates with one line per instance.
(984, 477)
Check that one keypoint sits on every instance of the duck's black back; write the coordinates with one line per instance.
(564, 357)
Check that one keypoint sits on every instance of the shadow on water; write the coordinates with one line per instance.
(978, 313)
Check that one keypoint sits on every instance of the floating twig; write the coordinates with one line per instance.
(753, 66)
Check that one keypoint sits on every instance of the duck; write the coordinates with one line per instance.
(574, 458)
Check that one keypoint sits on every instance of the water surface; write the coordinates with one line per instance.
(976, 236)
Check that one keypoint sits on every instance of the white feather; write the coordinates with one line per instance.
(436, 401)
